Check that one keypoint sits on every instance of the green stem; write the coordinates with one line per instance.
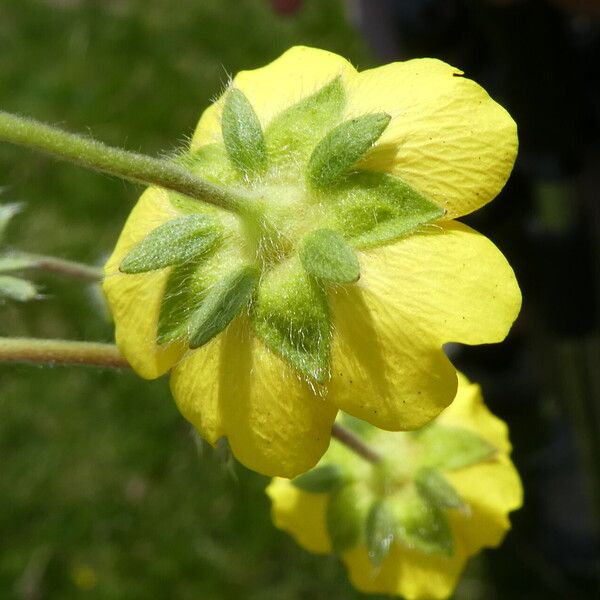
(68, 268)
(356, 444)
(60, 352)
(95, 155)
(94, 354)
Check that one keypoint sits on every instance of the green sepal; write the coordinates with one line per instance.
(321, 480)
(343, 147)
(381, 531)
(291, 317)
(436, 489)
(222, 303)
(447, 448)
(242, 134)
(325, 254)
(377, 208)
(186, 287)
(292, 135)
(13, 288)
(346, 516)
(7, 212)
(173, 243)
(15, 261)
(422, 526)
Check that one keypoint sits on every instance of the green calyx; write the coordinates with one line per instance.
(323, 479)
(307, 207)
(15, 288)
(291, 316)
(12, 287)
(404, 499)
(242, 134)
(326, 255)
(343, 147)
(222, 303)
(174, 243)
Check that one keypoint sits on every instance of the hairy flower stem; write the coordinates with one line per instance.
(97, 156)
(355, 443)
(60, 352)
(94, 354)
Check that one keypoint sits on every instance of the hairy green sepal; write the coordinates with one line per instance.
(173, 243)
(435, 488)
(183, 294)
(242, 134)
(343, 146)
(291, 316)
(222, 303)
(422, 526)
(381, 530)
(293, 134)
(375, 208)
(321, 480)
(447, 448)
(325, 254)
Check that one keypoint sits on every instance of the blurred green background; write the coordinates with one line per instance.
(105, 492)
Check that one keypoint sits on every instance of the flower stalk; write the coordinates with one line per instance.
(95, 354)
(60, 352)
(66, 268)
(355, 443)
(95, 155)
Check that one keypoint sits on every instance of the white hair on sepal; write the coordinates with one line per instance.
(225, 85)
(427, 227)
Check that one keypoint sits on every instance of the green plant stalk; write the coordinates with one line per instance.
(60, 352)
(94, 354)
(97, 156)
(68, 268)
(355, 443)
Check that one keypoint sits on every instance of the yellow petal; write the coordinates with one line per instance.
(413, 575)
(236, 387)
(301, 514)
(451, 284)
(134, 300)
(468, 411)
(491, 490)
(447, 137)
(486, 523)
(295, 75)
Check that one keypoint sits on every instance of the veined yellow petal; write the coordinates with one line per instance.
(301, 514)
(135, 300)
(385, 368)
(236, 387)
(447, 138)
(450, 284)
(413, 575)
(295, 75)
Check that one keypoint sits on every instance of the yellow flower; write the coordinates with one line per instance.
(489, 488)
(340, 275)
